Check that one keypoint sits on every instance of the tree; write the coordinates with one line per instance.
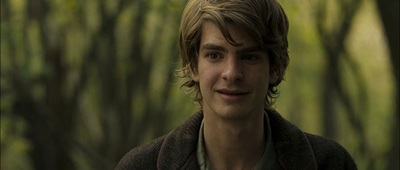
(333, 34)
(389, 13)
(92, 79)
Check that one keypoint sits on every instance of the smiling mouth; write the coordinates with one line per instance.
(227, 92)
(232, 94)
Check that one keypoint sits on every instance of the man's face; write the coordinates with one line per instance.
(233, 80)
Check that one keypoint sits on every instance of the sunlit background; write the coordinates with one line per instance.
(83, 82)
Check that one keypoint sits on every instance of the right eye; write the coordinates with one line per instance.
(213, 56)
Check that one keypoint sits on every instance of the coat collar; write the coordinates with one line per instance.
(179, 148)
(291, 145)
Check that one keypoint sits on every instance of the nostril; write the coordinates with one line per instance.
(233, 76)
(232, 70)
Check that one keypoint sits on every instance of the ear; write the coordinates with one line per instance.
(273, 77)
(195, 77)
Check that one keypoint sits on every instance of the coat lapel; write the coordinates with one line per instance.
(291, 145)
(179, 148)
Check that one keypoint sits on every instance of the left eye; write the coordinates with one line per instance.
(249, 57)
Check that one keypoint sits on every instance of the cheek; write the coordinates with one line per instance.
(208, 77)
(261, 80)
(205, 75)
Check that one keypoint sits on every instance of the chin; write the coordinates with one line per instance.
(233, 113)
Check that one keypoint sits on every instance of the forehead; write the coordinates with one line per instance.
(234, 35)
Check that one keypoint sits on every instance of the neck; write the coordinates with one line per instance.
(234, 144)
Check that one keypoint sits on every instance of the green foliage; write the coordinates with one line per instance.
(82, 82)
(14, 146)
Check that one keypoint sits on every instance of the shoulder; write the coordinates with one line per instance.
(142, 157)
(174, 149)
(329, 154)
(296, 148)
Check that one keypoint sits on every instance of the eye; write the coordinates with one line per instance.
(213, 56)
(249, 57)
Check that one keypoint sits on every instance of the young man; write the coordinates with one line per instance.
(234, 54)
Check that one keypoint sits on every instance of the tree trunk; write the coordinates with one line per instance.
(389, 13)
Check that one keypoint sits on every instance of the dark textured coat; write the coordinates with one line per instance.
(294, 149)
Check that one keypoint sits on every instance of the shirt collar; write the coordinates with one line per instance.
(265, 161)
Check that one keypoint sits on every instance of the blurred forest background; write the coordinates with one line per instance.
(82, 82)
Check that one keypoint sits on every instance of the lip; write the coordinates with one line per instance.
(232, 94)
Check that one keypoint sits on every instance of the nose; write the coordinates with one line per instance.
(232, 70)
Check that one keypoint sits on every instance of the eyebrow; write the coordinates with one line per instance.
(254, 48)
(210, 46)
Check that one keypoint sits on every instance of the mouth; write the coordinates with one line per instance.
(232, 94)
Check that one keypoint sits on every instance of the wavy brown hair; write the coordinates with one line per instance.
(264, 20)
